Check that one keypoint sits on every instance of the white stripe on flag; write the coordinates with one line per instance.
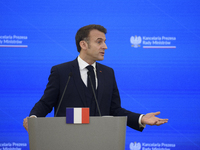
(77, 115)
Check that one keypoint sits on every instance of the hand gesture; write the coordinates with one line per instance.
(151, 119)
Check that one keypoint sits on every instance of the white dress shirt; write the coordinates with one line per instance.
(84, 70)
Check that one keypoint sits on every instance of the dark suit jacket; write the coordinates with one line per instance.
(108, 94)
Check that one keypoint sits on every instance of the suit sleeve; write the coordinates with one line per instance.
(50, 96)
(117, 110)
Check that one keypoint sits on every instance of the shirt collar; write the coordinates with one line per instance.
(83, 64)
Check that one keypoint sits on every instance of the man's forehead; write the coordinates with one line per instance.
(96, 34)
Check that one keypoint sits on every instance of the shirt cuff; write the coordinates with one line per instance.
(33, 116)
(139, 121)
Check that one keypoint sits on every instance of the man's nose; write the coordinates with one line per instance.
(105, 46)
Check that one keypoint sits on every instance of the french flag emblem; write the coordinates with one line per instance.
(77, 115)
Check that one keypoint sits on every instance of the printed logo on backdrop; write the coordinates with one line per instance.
(136, 41)
(13, 41)
(135, 146)
(153, 42)
(151, 146)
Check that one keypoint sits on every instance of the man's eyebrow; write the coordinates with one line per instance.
(100, 39)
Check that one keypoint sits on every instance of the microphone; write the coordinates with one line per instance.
(94, 93)
(70, 74)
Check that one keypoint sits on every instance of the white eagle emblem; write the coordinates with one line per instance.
(135, 146)
(135, 41)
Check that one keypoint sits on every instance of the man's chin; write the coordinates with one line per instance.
(100, 59)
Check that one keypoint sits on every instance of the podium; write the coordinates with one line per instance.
(102, 133)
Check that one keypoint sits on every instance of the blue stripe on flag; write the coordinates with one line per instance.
(70, 115)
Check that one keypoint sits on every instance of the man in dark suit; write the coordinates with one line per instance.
(90, 41)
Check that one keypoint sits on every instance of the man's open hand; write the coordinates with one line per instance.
(151, 119)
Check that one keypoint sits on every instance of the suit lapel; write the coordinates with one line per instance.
(100, 78)
(78, 81)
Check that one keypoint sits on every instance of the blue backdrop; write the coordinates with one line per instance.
(158, 70)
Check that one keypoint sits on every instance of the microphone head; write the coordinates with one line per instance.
(88, 73)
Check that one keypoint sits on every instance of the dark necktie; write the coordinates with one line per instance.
(92, 76)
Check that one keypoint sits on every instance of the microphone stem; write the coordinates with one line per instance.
(70, 74)
(94, 95)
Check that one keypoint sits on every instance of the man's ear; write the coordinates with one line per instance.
(83, 44)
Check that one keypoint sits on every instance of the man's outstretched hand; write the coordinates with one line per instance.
(151, 119)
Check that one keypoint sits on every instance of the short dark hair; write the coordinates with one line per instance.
(83, 33)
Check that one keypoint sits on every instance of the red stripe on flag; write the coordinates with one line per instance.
(85, 115)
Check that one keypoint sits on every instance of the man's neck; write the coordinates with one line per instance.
(90, 62)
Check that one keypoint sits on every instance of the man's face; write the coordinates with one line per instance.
(96, 46)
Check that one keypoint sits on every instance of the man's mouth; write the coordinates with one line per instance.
(102, 53)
